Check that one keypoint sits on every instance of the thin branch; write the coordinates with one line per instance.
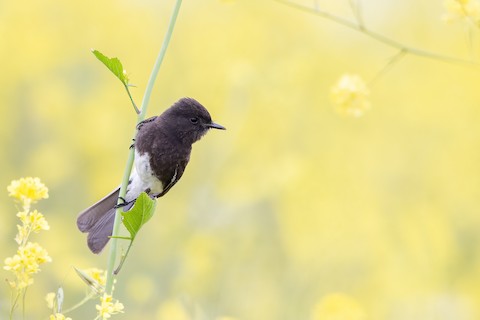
(355, 5)
(374, 35)
(123, 258)
(14, 304)
(393, 60)
(87, 298)
(24, 296)
(131, 99)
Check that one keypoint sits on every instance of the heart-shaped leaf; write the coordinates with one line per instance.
(141, 212)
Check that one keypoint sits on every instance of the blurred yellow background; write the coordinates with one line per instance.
(294, 212)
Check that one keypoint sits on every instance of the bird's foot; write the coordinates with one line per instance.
(123, 203)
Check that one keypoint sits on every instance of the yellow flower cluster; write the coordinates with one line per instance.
(96, 279)
(31, 222)
(99, 275)
(25, 263)
(30, 255)
(350, 95)
(462, 9)
(108, 306)
(27, 190)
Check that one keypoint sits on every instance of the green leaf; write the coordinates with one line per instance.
(141, 212)
(114, 65)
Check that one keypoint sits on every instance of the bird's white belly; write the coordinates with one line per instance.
(143, 178)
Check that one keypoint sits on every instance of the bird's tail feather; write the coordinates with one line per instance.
(98, 221)
(101, 231)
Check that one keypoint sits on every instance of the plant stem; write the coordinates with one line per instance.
(23, 302)
(124, 257)
(356, 10)
(88, 297)
(397, 57)
(14, 303)
(131, 99)
(374, 35)
(128, 168)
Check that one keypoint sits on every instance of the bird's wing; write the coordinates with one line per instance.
(176, 175)
(141, 123)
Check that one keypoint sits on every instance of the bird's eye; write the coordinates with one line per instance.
(194, 120)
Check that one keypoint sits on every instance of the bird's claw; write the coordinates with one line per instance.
(123, 203)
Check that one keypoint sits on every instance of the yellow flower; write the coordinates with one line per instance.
(35, 220)
(50, 298)
(338, 306)
(27, 190)
(16, 264)
(108, 306)
(462, 9)
(26, 262)
(31, 222)
(350, 95)
(98, 275)
(94, 278)
(59, 316)
(35, 254)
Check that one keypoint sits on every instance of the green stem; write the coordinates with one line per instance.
(356, 10)
(124, 257)
(128, 168)
(374, 35)
(23, 302)
(14, 303)
(158, 62)
(397, 57)
(131, 99)
(88, 297)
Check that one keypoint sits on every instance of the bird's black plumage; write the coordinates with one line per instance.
(162, 151)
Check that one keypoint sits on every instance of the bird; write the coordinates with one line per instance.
(162, 147)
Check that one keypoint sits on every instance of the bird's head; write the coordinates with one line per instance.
(189, 119)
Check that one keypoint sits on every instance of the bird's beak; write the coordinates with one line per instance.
(216, 126)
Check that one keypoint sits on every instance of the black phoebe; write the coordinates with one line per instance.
(162, 151)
